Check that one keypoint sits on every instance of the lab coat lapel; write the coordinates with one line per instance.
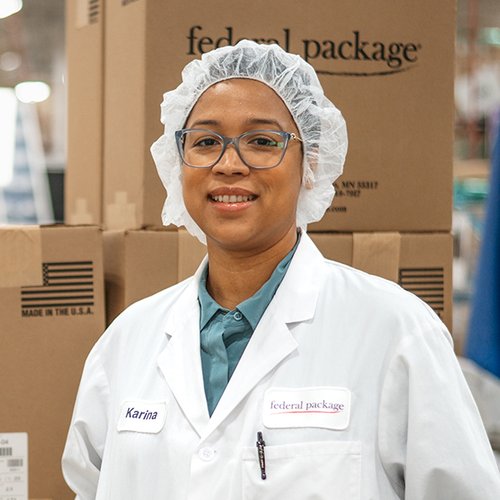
(270, 344)
(180, 361)
(272, 340)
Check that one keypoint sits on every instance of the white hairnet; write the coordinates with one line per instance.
(320, 124)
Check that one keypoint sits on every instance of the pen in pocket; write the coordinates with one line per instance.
(262, 458)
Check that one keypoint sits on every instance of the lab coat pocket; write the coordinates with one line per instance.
(304, 471)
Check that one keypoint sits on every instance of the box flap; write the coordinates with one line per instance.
(20, 256)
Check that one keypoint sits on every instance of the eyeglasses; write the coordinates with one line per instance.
(203, 148)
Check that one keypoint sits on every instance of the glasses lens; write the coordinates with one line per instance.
(262, 148)
(201, 148)
(257, 148)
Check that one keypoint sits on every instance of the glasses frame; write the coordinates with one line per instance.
(235, 141)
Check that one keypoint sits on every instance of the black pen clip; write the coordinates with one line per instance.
(262, 458)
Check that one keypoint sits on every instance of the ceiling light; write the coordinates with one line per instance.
(10, 61)
(9, 7)
(32, 91)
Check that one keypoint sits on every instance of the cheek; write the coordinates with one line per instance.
(287, 187)
(190, 186)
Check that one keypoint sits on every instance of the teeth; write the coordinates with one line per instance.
(232, 198)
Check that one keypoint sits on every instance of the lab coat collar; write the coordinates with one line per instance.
(297, 295)
(271, 342)
(180, 361)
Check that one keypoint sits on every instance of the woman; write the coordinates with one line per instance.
(272, 373)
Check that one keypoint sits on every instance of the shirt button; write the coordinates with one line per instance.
(206, 454)
(237, 316)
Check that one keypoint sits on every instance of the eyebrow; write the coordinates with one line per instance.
(249, 121)
(264, 121)
(203, 122)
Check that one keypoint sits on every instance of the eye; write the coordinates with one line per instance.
(206, 142)
(265, 141)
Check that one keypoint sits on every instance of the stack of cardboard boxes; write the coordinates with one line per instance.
(389, 68)
(52, 312)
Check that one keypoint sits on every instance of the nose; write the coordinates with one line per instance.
(230, 163)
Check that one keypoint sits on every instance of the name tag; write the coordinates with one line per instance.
(325, 407)
(142, 416)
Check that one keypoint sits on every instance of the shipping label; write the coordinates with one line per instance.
(14, 466)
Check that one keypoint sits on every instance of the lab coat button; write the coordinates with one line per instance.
(206, 454)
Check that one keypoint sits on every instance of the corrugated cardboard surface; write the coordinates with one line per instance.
(85, 84)
(419, 262)
(20, 256)
(143, 262)
(46, 334)
(388, 66)
(140, 263)
(377, 253)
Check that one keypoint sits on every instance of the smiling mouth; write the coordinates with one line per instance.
(232, 198)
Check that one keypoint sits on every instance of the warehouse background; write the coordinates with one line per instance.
(53, 62)
(33, 48)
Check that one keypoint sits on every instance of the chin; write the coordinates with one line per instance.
(236, 238)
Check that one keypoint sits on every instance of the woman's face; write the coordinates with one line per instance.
(267, 211)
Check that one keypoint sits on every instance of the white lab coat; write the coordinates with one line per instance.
(413, 430)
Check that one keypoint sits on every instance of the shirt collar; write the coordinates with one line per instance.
(252, 308)
(208, 306)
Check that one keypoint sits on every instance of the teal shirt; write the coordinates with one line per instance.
(224, 334)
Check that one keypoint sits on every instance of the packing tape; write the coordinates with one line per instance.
(121, 214)
(377, 253)
(20, 256)
(81, 215)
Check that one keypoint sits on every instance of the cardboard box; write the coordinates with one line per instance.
(85, 84)
(420, 262)
(388, 66)
(139, 263)
(52, 310)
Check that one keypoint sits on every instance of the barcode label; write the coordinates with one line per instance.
(15, 462)
(14, 466)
